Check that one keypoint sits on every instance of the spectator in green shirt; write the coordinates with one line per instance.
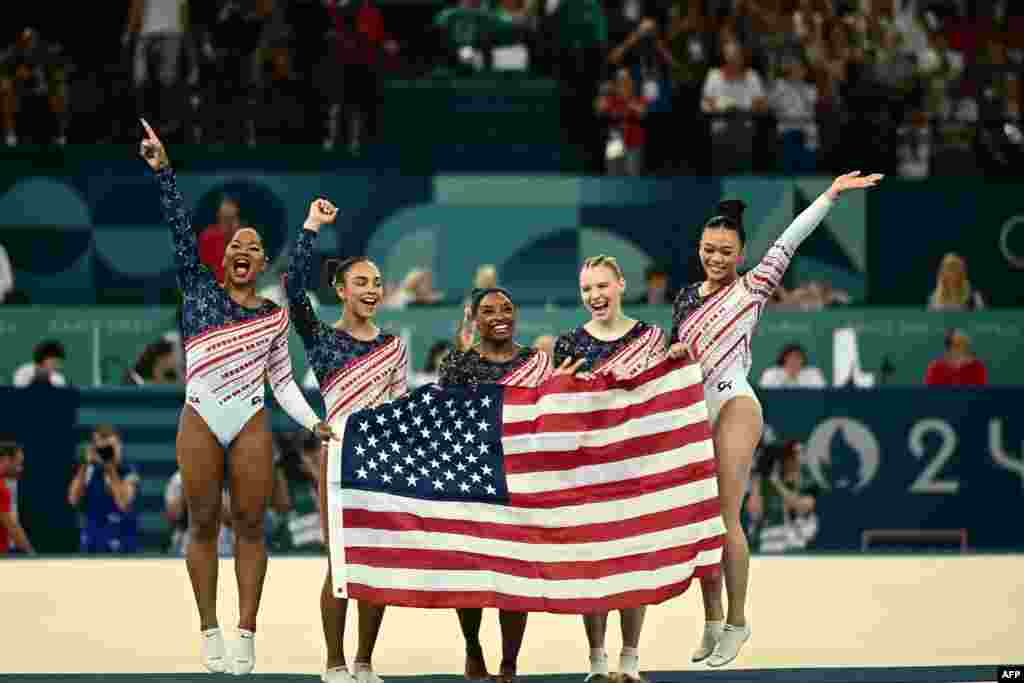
(782, 501)
(299, 528)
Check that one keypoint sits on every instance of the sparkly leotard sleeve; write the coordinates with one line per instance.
(353, 374)
(528, 368)
(717, 329)
(629, 355)
(192, 274)
(229, 349)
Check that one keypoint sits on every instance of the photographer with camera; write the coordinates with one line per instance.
(106, 488)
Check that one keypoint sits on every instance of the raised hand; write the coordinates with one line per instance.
(321, 212)
(467, 329)
(152, 150)
(853, 181)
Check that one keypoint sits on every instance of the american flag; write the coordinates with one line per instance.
(572, 497)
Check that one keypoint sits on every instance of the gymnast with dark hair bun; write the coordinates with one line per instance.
(713, 323)
(356, 366)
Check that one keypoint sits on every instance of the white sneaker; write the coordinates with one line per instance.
(213, 651)
(338, 674)
(367, 676)
(733, 638)
(245, 654)
(712, 634)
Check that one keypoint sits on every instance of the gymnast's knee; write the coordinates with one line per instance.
(204, 520)
(249, 524)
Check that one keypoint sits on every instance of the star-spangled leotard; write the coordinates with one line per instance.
(229, 349)
(352, 374)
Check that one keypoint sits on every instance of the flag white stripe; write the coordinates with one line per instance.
(362, 537)
(335, 511)
(610, 399)
(591, 513)
(658, 423)
(587, 475)
(443, 580)
(689, 493)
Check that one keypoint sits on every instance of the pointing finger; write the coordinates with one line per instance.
(150, 133)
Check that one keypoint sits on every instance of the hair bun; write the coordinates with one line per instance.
(331, 264)
(732, 208)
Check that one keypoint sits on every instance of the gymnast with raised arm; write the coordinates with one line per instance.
(235, 341)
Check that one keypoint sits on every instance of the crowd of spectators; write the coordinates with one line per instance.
(649, 86)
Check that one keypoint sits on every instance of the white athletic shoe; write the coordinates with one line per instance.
(338, 674)
(212, 649)
(712, 634)
(733, 638)
(245, 653)
(367, 676)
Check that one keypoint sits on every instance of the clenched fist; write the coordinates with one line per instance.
(321, 212)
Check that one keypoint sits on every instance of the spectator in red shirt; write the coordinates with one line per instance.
(363, 47)
(214, 239)
(959, 366)
(626, 110)
(12, 460)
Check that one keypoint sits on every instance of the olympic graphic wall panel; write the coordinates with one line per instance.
(91, 231)
(97, 237)
(909, 459)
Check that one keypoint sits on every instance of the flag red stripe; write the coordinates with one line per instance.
(564, 384)
(552, 461)
(451, 599)
(454, 560)
(584, 533)
(616, 490)
(605, 419)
